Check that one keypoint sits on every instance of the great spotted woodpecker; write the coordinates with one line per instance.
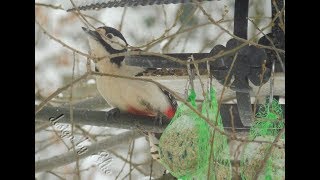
(132, 96)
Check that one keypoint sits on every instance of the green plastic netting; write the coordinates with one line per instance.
(269, 122)
(220, 165)
(185, 144)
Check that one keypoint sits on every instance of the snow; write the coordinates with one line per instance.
(91, 81)
(54, 62)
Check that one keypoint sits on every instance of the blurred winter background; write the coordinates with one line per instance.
(139, 25)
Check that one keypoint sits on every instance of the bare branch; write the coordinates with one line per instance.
(49, 6)
(268, 154)
(271, 42)
(74, 12)
(62, 43)
(238, 38)
(55, 174)
(100, 118)
(69, 157)
(58, 91)
(122, 18)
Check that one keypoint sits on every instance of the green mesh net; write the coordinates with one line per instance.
(220, 166)
(185, 144)
(269, 121)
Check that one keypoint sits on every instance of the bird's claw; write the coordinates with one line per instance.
(113, 112)
(158, 119)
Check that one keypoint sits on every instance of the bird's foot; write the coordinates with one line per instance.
(158, 119)
(112, 113)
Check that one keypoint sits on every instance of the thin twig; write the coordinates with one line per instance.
(229, 136)
(164, 16)
(212, 58)
(281, 21)
(187, 19)
(41, 127)
(130, 159)
(125, 161)
(232, 122)
(236, 155)
(62, 43)
(186, 40)
(122, 18)
(59, 137)
(81, 17)
(231, 34)
(74, 12)
(211, 157)
(151, 164)
(263, 69)
(49, 5)
(71, 119)
(268, 154)
(86, 133)
(199, 77)
(69, 157)
(272, 44)
(91, 17)
(212, 42)
(55, 174)
(234, 135)
(135, 165)
(58, 91)
(164, 35)
(41, 148)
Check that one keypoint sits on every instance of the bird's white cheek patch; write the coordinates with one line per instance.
(116, 43)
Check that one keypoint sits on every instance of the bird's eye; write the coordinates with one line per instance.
(109, 35)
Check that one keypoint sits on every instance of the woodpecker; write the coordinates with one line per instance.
(132, 96)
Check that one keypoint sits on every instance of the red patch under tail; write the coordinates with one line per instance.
(170, 112)
(135, 111)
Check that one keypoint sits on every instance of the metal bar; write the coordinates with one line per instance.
(128, 121)
(280, 4)
(241, 30)
(276, 30)
(161, 62)
(100, 118)
(99, 4)
(241, 8)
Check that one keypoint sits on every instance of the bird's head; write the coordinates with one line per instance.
(105, 41)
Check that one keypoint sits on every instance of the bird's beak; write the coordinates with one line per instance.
(93, 34)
